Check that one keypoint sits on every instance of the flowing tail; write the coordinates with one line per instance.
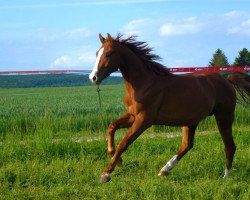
(241, 83)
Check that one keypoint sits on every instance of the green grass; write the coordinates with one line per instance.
(40, 169)
(45, 153)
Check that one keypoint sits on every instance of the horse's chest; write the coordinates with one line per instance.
(131, 105)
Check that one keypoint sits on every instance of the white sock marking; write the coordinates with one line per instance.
(170, 164)
(95, 69)
(106, 174)
(226, 174)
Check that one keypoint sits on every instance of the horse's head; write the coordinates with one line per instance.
(107, 60)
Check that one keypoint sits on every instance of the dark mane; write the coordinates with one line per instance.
(142, 50)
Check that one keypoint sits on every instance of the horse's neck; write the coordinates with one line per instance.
(135, 74)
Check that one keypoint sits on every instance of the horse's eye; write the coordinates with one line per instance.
(108, 54)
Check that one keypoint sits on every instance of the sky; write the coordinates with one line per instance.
(63, 34)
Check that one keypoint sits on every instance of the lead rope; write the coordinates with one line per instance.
(100, 113)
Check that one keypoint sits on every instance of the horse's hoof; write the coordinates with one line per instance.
(163, 173)
(105, 178)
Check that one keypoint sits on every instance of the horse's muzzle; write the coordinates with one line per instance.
(94, 78)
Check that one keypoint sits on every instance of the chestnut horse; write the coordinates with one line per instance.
(154, 96)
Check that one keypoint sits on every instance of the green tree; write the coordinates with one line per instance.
(243, 58)
(219, 59)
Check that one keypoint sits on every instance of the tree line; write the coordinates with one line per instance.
(219, 59)
(50, 80)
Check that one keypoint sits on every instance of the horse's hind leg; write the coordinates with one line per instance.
(224, 123)
(187, 144)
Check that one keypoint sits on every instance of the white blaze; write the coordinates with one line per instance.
(95, 69)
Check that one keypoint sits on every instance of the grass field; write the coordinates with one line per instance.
(52, 147)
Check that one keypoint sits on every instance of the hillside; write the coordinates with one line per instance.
(50, 80)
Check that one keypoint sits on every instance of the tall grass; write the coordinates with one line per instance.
(73, 109)
(26, 111)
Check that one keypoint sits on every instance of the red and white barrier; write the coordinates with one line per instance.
(211, 69)
(182, 70)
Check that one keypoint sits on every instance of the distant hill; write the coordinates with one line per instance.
(51, 80)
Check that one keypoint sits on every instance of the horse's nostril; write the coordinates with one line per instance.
(94, 78)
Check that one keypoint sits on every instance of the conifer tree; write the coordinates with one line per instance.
(219, 59)
(243, 58)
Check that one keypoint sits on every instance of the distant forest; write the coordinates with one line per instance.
(51, 80)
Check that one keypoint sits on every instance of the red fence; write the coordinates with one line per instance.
(211, 69)
(184, 69)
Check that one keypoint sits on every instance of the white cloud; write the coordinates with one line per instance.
(136, 27)
(63, 61)
(233, 22)
(241, 29)
(86, 57)
(238, 23)
(234, 14)
(80, 58)
(167, 27)
(188, 25)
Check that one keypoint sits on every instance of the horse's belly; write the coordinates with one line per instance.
(177, 122)
(186, 107)
(189, 115)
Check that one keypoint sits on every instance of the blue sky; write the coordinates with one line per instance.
(60, 34)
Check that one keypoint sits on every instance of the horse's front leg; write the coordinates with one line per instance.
(123, 122)
(140, 124)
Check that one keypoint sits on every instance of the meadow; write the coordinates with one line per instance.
(53, 146)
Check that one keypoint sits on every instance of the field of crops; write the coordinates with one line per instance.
(52, 146)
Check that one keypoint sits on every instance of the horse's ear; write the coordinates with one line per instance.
(109, 36)
(102, 39)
